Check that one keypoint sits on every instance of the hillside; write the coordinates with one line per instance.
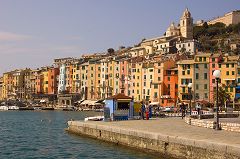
(218, 37)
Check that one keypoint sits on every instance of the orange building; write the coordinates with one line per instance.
(53, 74)
(170, 87)
(39, 82)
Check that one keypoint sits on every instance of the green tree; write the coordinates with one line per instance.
(223, 96)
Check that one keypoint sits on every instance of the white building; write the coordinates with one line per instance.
(62, 79)
(190, 46)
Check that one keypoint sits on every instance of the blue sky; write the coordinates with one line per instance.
(33, 33)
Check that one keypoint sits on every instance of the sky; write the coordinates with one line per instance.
(34, 32)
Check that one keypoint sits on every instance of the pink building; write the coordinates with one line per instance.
(124, 76)
(214, 61)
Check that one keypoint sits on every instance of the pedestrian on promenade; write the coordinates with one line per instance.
(142, 110)
(147, 114)
(140, 113)
(183, 109)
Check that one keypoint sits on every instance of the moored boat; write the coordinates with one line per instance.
(95, 118)
(13, 107)
(3, 108)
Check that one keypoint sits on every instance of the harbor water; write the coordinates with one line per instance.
(40, 134)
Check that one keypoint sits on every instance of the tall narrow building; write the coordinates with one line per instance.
(186, 25)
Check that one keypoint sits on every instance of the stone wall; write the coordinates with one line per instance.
(210, 124)
(166, 146)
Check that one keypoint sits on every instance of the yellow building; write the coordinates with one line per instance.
(185, 76)
(1, 85)
(84, 80)
(135, 84)
(229, 72)
(7, 86)
(45, 80)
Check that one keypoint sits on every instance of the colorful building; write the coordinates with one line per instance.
(170, 87)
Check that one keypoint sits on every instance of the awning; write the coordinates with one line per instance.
(229, 79)
(90, 102)
(154, 103)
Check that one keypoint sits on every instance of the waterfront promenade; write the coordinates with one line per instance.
(177, 137)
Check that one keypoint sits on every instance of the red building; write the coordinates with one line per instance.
(170, 87)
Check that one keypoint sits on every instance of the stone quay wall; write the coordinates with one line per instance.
(235, 127)
(162, 144)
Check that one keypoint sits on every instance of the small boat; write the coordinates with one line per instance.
(13, 107)
(95, 118)
(3, 108)
(68, 109)
(26, 108)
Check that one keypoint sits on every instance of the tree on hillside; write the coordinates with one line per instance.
(110, 51)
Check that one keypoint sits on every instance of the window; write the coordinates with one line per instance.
(197, 75)
(155, 86)
(205, 95)
(144, 77)
(205, 65)
(213, 80)
(197, 87)
(144, 84)
(155, 95)
(200, 59)
(92, 68)
(227, 73)
(150, 76)
(231, 89)
(188, 72)
(168, 78)
(213, 59)
(233, 72)
(168, 86)
(204, 59)
(205, 86)
(196, 66)
(232, 65)
(219, 65)
(137, 84)
(183, 90)
(227, 65)
(183, 72)
(159, 71)
(213, 65)
(205, 76)
(151, 70)
(197, 95)
(159, 78)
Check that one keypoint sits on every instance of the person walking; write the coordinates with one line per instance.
(142, 110)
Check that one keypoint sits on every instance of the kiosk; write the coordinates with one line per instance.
(118, 107)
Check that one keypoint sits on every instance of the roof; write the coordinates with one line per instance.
(119, 96)
(186, 62)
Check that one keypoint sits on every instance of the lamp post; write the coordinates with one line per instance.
(217, 75)
(190, 96)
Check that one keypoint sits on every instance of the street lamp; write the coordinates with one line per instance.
(217, 75)
(190, 96)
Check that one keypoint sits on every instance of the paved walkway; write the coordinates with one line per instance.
(177, 127)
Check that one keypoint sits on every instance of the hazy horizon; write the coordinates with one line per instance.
(33, 33)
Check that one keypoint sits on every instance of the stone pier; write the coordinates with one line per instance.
(168, 136)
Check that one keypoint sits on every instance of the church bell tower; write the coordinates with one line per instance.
(186, 25)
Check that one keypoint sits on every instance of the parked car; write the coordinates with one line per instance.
(169, 109)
